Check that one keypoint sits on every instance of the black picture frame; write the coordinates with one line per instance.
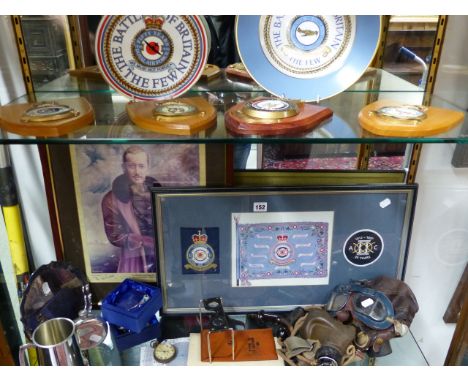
(385, 209)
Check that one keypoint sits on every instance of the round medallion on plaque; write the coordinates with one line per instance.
(175, 109)
(393, 119)
(270, 108)
(402, 113)
(307, 57)
(152, 57)
(48, 111)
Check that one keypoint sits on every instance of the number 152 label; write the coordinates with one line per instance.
(260, 207)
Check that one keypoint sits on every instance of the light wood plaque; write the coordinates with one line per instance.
(143, 115)
(437, 120)
(12, 118)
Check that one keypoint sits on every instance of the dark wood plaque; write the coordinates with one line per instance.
(307, 117)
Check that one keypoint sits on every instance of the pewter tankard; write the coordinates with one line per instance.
(55, 344)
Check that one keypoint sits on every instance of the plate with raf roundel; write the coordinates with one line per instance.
(152, 57)
(363, 247)
(307, 57)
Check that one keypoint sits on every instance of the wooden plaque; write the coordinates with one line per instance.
(210, 71)
(20, 119)
(307, 117)
(238, 70)
(182, 116)
(87, 72)
(434, 121)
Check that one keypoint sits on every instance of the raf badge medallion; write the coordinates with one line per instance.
(175, 109)
(409, 113)
(201, 255)
(157, 58)
(47, 119)
(48, 111)
(394, 119)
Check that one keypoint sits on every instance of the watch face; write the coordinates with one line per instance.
(175, 109)
(164, 352)
(152, 57)
(307, 57)
(406, 112)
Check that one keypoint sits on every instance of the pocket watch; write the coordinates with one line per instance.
(164, 352)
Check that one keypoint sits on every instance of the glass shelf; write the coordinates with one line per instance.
(405, 352)
(373, 80)
(113, 126)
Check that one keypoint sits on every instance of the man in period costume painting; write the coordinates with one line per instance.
(127, 213)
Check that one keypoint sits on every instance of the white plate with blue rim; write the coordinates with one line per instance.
(307, 58)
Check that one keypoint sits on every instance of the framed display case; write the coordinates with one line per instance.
(348, 195)
(275, 249)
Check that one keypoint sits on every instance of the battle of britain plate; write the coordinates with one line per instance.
(152, 57)
(307, 58)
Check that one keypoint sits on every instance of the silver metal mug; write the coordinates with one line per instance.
(55, 344)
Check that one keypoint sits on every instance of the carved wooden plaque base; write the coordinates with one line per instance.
(181, 116)
(47, 119)
(394, 119)
(239, 122)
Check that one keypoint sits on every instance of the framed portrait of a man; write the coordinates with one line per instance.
(112, 185)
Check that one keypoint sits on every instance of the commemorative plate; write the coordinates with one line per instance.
(307, 58)
(152, 57)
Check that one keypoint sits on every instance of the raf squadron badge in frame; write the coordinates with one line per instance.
(200, 250)
(156, 58)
